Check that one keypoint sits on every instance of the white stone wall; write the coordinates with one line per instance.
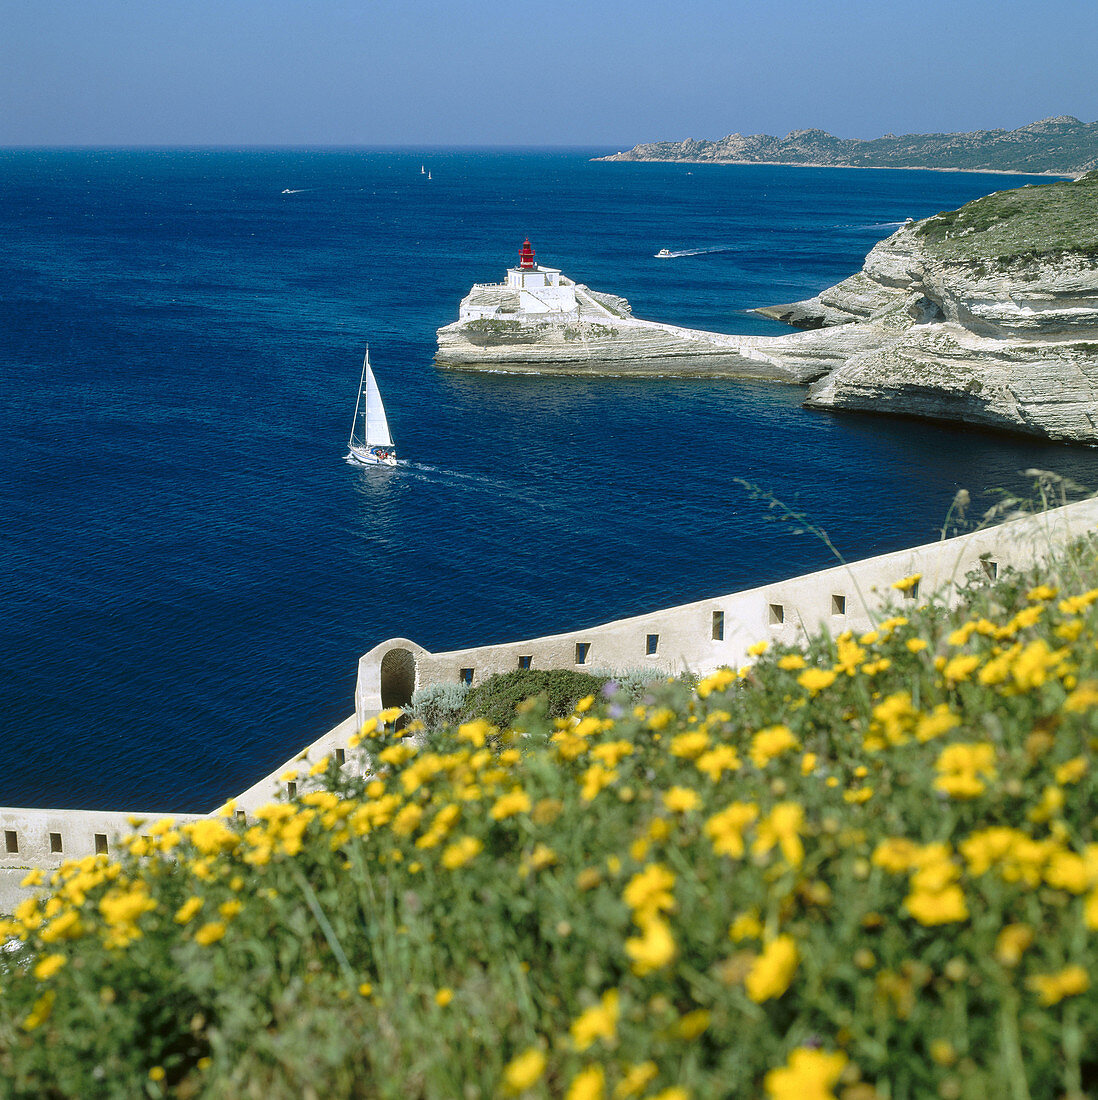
(785, 611)
(846, 596)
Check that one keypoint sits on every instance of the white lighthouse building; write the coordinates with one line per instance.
(530, 288)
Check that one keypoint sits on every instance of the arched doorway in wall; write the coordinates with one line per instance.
(398, 678)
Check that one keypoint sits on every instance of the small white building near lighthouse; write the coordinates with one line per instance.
(530, 289)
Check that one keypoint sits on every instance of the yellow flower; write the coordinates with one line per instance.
(365, 989)
(443, 997)
(725, 829)
(510, 804)
(680, 800)
(908, 584)
(461, 852)
(1082, 698)
(960, 668)
(598, 1022)
(1042, 592)
(715, 681)
(915, 645)
(1072, 770)
(635, 1079)
(1011, 942)
(48, 966)
(771, 742)
(40, 1011)
(32, 878)
(188, 909)
(758, 649)
(933, 907)
(814, 680)
(693, 1024)
(1053, 988)
(476, 733)
(963, 769)
(717, 761)
(773, 970)
(595, 779)
(808, 1075)
(782, 827)
(588, 1084)
(653, 949)
(157, 1073)
(689, 745)
(209, 933)
(791, 662)
(648, 892)
(524, 1070)
(746, 926)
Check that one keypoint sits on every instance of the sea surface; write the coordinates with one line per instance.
(189, 570)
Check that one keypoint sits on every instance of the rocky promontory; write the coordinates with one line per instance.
(1054, 146)
(987, 315)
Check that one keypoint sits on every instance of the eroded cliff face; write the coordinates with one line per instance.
(987, 315)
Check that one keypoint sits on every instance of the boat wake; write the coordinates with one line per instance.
(866, 228)
(668, 254)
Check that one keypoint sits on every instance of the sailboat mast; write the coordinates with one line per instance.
(361, 390)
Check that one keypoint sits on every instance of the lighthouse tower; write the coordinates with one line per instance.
(529, 274)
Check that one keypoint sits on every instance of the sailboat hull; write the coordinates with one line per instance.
(371, 456)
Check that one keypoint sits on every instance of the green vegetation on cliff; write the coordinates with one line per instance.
(1028, 222)
(866, 868)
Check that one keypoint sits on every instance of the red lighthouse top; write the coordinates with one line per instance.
(526, 256)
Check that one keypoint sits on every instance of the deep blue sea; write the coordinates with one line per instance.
(189, 568)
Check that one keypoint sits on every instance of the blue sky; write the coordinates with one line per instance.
(603, 73)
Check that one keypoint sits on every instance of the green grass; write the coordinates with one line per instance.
(1022, 225)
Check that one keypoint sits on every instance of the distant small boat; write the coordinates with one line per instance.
(422, 170)
(428, 175)
(375, 447)
(287, 191)
(663, 254)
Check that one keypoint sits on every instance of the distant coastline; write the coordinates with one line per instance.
(867, 167)
(1062, 146)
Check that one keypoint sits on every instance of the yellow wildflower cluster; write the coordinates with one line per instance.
(785, 885)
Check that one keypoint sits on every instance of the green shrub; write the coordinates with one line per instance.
(498, 698)
(437, 705)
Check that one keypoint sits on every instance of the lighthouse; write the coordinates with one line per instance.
(530, 275)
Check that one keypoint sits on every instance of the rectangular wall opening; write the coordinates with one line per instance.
(524, 662)
(718, 626)
(11, 840)
(913, 592)
(651, 645)
(100, 844)
(55, 842)
(838, 605)
(777, 614)
(341, 757)
(990, 568)
(466, 675)
(241, 816)
(291, 789)
(582, 650)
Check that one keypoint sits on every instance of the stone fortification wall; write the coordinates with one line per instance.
(707, 634)
(698, 636)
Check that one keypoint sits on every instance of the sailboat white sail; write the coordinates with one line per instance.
(374, 446)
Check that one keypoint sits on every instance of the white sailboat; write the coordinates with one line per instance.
(374, 447)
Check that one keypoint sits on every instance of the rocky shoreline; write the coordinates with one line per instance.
(987, 315)
(1062, 146)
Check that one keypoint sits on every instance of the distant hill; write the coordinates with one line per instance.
(1059, 146)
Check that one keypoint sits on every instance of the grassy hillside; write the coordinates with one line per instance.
(1038, 220)
(865, 869)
